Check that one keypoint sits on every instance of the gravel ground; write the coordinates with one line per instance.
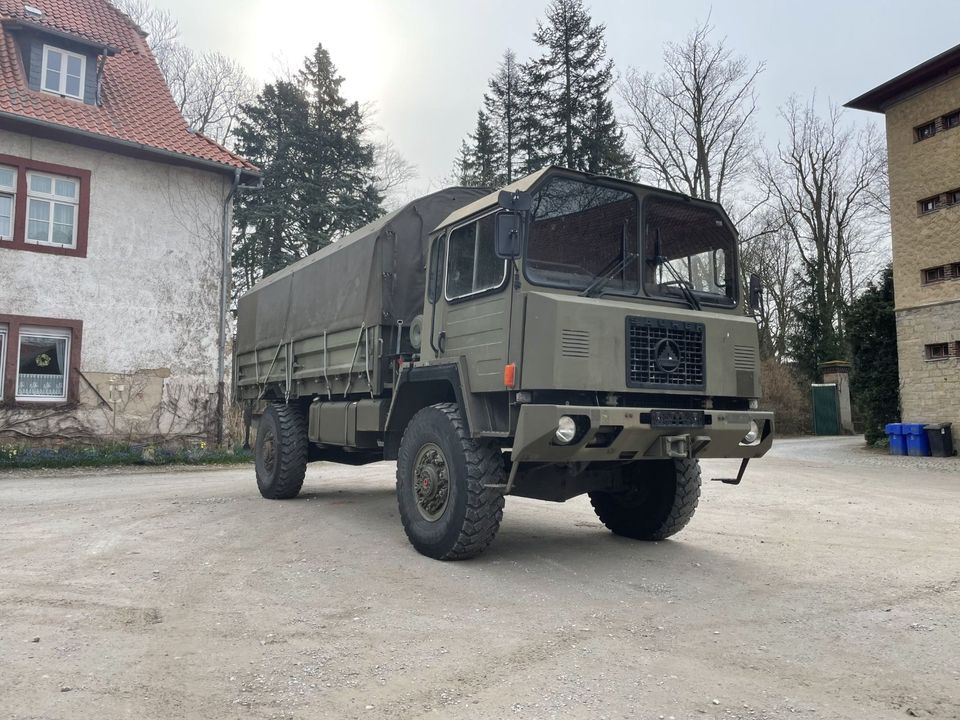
(826, 586)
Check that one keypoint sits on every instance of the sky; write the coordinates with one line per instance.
(423, 65)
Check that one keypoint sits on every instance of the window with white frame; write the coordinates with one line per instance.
(52, 203)
(63, 72)
(8, 198)
(3, 356)
(43, 364)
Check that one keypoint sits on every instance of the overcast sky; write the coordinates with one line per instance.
(424, 64)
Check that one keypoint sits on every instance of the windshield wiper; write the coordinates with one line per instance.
(605, 275)
(681, 283)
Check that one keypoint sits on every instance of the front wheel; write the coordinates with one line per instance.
(447, 509)
(660, 499)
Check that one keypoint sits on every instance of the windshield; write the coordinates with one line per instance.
(581, 231)
(688, 245)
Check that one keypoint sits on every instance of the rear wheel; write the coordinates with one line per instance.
(661, 498)
(448, 512)
(281, 452)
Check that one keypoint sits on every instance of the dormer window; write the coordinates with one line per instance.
(63, 72)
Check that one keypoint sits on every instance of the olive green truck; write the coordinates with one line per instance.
(570, 334)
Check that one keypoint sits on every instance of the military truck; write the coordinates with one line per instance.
(569, 334)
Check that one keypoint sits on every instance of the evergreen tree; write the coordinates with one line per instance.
(603, 148)
(319, 172)
(573, 78)
(502, 105)
(815, 340)
(874, 378)
(481, 159)
(267, 222)
(339, 189)
(533, 149)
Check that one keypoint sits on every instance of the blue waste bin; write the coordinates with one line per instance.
(917, 442)
(898, 441)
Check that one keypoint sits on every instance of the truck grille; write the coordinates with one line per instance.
(664, 354)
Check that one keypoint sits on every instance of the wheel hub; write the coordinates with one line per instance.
(431, 482)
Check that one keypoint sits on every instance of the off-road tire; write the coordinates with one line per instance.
(661, 500)
(281, 477)
(472, 512)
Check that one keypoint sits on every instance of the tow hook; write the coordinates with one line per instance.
(738, 478)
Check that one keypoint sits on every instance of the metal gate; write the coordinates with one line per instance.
(826, 409)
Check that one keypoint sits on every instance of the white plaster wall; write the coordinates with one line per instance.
(148, 290)
(147, 293)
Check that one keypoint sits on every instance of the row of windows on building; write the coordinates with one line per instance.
(40, 360)
(941, 273)
(942, 350)
(931, 128)
(935, 202)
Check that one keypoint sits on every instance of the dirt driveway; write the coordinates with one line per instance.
(826, 586)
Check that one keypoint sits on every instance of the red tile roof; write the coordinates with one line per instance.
(136, 103)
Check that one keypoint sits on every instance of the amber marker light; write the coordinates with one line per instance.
(510, 375)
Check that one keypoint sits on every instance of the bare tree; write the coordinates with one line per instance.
(693, 123)
(826, 181)
(208, 88)
(767, 249)
(393, 173)
(162, 30)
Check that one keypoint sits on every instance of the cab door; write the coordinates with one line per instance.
(471, 317)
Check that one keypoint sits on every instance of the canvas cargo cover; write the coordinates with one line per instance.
(374, 276)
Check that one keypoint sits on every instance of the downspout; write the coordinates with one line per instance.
(224, 286)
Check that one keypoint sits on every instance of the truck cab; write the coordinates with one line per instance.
(577, 334)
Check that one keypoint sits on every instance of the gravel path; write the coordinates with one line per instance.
(826, 586)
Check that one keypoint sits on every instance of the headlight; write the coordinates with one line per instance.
(566, 430)
(751, 437)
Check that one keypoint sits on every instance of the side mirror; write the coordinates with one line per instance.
(507, 235)
(756, 291)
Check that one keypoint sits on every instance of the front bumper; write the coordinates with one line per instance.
(622, 433)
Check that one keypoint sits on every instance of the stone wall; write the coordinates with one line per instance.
(929, 389)
(147, 293)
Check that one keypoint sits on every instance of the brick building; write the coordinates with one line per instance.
(922, 110)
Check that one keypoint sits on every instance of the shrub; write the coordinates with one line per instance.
(874, 374)
(119, 454)
(787, 396)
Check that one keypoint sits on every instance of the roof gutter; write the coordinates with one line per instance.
(169, 155)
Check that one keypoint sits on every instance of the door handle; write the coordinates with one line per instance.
(442, 340)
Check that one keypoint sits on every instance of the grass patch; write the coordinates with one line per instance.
(14, 457)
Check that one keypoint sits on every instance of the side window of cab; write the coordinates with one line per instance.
(472, 263)
(435, 282)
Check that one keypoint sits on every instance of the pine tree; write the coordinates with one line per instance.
(533, 147)
(874, 378)
(339, 190)
(481, 159)
(572, 79)
(463, 166)
(502, 105)
(318, 169)
(267, 231)
(603, 146)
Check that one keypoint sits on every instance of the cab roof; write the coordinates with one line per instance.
(527, 183)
